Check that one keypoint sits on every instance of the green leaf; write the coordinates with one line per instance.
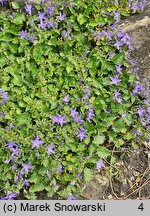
(118, 59)
(119, 143)
(88, 174)
(89, 127)
(35, 178)
(38, 187)
(12, 29)
(81, 19)
(24, 118)
(37, 51)
(52, 41)
(106, 65)
(94, 23)
(112, 136)
(125, 13)
(69, 68)
(17, 80)
(46, 162)
(99, 139)
(128, 136)
(15, 5)
(5, 37)
(103, 152)
(92, 149)
(119, 125)
(2, 61)
(18, 19)
(67, 177)
(54, 104)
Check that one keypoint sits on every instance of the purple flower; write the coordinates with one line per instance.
(110, 54)
(2, 2)
(78, 175)
(42, 25)
(100, 34)
(140, 111)
(118, 44)
(2, 114)
(32, 39)
(41, 16)
(138, 88)
(125, 39)
(26, 167)
(78, 120)
(58, 168)
(116, 16)
(50, 149)
(23, 35)
(117, 96)
(120, 34)
(16, 178)
(113, 26)
(13, 147)
(86, 93)
(133, 132)
(135, 7)
(25, 183)
(90, 114)
(49, 11)
(11, 195)
(11, 125)
(148, 120)
(36, 143)
(12, 15)
(61, 16)
(71, 197)
(123, 115)
(14, 167)
(132, 62)
(109, 36)
(88, 157)
(115, 80)
(4, 96)
(28, 9)
(66, 98)
(20, 175)
(31, 22)
(119, 69)
(74, 115)
(148, 110)
(124, 148)
(139, 133)
(99, 164)
(51, 24)
(108, 111)
(81, 133)
(142, 4)
(73, 112)
(58, 119)
(66, 33)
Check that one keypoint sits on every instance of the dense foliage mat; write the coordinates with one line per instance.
(70, 98)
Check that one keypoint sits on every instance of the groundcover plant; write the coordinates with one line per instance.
(70, 97)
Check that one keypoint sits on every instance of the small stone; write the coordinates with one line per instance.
(95, 188)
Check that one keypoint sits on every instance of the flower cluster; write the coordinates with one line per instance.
(3, 97)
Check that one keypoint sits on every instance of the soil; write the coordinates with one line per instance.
(134, 174)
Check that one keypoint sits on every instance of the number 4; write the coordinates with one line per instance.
(141, 207)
